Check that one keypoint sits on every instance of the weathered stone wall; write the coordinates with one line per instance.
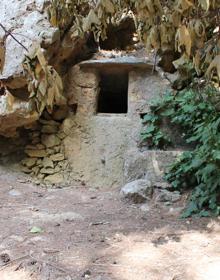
(45, 153)
(101, 148)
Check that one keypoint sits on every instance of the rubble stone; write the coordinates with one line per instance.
(50, 140)
(26, 170)
(57, 157)
(29, 162)
(50, 170)
(47, 163)
(54, 179)
(36, 153)
(36, 170)
(164, 195)
(138, 191)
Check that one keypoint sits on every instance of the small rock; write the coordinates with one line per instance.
(50, 152)
(57, 157)
(162, 185)
(138, 191)
(164, 195)
(35, 147)
(36, 170)
(41, 176)
(39, 161)
(14, 192)
(50, 140)
(50, 170)
(29, 162)
(37, 182)
(63, 164)
(54, 179)
(36, 153)
(47, 163)
(26, 170)
(57, 149)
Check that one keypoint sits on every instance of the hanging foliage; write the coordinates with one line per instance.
(190, 27)
(44, 83)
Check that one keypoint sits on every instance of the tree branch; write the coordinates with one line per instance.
(13, 37)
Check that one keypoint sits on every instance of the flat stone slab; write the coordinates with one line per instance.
(125, 61)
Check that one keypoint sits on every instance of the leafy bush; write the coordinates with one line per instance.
(195, 112)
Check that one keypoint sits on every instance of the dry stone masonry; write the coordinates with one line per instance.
(110, 95)
(46, 158)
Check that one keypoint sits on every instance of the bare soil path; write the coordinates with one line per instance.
(92, 234)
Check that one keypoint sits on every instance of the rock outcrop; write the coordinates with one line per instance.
(28, 22)
(14, 111)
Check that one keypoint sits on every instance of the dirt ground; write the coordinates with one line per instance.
(93, 234)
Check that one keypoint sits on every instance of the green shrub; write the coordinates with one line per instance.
(196, 114)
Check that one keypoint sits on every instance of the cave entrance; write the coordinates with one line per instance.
(119, 37)
(113, 96)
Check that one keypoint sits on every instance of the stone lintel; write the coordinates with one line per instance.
(129, 62)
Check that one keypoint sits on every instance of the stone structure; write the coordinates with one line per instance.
(45, 155)
(107, 98)
(104, 134)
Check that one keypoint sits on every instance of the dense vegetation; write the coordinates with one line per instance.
(196, 113)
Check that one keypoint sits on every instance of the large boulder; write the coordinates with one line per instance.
(27, 20)
(138, 191)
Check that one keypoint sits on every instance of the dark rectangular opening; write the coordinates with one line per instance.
(113, 96)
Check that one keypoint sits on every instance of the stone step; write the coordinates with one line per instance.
(150, 164)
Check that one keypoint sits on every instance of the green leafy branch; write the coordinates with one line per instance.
(197, 115)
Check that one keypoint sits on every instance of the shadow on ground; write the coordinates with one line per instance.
(92, 234)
